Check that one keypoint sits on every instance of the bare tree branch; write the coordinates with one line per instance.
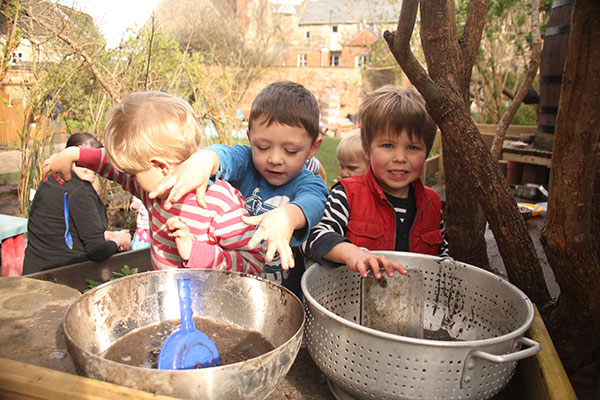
(534, 62)
(149, 60)
(112, 92)
(469, 43)
(399, 44)
(473, 28)
(12, 42)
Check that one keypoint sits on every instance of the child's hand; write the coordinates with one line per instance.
(60, 163)
(192, 174)
(277, 227)
(183, 239)
(361, 261)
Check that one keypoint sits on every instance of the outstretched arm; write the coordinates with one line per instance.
(361, 261)
(62, 163)
(327, 244)
(97, 160)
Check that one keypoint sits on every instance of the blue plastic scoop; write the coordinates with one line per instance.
(187, 347)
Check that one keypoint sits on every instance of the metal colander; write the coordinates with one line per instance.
(480, 316)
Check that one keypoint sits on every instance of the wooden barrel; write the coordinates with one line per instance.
(554, 54)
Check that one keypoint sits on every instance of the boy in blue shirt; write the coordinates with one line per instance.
(284, 199)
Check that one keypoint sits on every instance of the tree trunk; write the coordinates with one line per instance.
(465, 222)
(445, 98)
(571, 234)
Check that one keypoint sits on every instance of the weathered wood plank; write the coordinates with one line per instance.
(26, 381)
(543, 375)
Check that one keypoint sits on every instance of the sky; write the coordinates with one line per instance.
(113, 17)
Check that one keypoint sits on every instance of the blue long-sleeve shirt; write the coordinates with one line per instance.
(306, 190)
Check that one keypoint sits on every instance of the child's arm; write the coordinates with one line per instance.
(215, 237)
(327, 244)
(310, 194)
(361, 261)
(97, 160)
(62, 163)
(193, 174)
(230, 231)
(289, 225)
(94, 159)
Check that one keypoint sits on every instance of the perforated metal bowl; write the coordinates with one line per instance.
(484, 315)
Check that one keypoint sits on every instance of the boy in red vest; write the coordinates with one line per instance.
(388, 207)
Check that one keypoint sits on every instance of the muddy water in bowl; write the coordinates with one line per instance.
(105, 314)
(187, 347)
(141, 348)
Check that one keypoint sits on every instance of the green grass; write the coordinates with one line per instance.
(10, 178)
(326, 155)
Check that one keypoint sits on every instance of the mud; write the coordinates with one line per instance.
(141, 347)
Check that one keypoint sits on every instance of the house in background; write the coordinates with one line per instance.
(331, 33)
(339, 33)
(35, 47)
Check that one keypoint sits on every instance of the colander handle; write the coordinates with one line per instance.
(533, 348)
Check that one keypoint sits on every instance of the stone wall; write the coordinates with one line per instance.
(347, 82)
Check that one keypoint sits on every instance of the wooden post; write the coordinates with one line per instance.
(554, 54)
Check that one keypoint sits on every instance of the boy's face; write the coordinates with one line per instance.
(397, 160)
(352, 164)
(280, 151)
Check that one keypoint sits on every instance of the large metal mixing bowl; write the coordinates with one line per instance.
(103, 315)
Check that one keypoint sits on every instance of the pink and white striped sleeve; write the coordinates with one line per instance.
(227, 236)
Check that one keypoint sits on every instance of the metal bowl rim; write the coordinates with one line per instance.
(429, 342)
(299, 331)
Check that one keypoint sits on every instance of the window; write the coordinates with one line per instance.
(16, 59)
(307, 34)
(362, 60)
(301, 61)
(334, 45)
(334, 58)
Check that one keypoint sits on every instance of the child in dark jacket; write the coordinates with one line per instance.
(388, 207)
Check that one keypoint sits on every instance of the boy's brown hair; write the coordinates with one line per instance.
(149, 124)
(287, 103)
(392, 110)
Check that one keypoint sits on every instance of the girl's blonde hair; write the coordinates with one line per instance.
(350, 145)
(150, 124)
